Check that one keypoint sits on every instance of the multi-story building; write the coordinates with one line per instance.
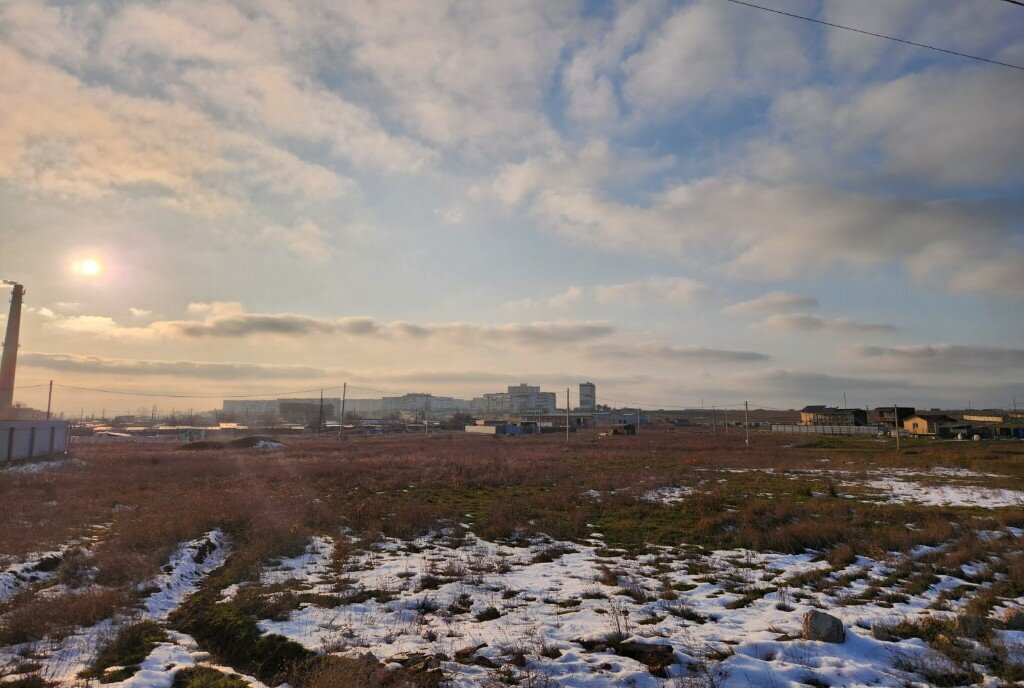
(250, 409)
(308, 410)
(830, 415)
(492, 405)
(893, 416)
(288, 410)
(588, 396)
(527, 399)
(421, 402)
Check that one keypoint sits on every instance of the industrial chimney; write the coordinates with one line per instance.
(10, 356)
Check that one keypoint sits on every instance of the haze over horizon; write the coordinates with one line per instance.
(676, 200)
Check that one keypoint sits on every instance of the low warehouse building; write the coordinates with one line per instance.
(30, 439)
(927, 423)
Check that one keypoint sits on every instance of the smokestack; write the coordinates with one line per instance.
(10, 356)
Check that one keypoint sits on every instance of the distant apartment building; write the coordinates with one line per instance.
(830, 415)
(527, 399)
(286, 410)
(491, 405)
(250, 409)
(363, 407)
(308, 411)
(588, 396)
(421, 402)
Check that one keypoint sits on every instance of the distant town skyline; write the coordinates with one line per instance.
(677, 200)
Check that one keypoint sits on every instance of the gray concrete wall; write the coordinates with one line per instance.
(28, 439)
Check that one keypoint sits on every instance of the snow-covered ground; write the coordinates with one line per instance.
(939, 486)
(906, 492)
(430, 598)
(189, 564)
(18, 574)
(552, 609)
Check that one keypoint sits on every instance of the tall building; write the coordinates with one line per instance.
(588, 396)
(528, 399)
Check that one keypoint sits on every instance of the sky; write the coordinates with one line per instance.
(685, 203)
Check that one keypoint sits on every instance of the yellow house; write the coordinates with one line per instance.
(926, 423)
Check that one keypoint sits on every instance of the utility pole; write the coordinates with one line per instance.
(426, 416)
(714, 428)
(844, 400)
(320, 418)
(896, 424)
(567, 415)
(746, 420)
(49, 400)
(341, 428)
(638, 419)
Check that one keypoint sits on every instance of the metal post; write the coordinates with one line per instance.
(746, 420)
(341, 428)
(567, 415)
(320, 417)
(638, 419)
(49, 400)
(714, 428)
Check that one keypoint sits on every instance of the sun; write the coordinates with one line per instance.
(88, 267)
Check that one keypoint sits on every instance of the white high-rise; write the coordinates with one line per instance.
(588, 396)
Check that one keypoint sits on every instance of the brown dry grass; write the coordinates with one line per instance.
(154, 496)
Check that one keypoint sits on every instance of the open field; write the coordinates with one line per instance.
(673, 558)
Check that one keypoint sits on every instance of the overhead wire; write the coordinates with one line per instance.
(877, 35)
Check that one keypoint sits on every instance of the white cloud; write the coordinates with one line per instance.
(807, 322)
(230, 320)
(461, 75)
(101, 365)
(776, 232)
(772, 303)
(708, 50)
(676, 292)
(924, 126)
(68, 138)
(934, 357)
(306, 240)
(677, 353)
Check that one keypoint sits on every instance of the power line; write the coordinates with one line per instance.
(1015, 2)
(880, 35)
(42, 384)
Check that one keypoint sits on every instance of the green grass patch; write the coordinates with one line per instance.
(205, 677)
(127, 651)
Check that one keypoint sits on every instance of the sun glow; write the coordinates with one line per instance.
(88, 267)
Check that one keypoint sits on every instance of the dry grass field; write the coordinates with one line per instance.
(673, 558)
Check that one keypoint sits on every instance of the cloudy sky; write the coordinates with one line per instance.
(675, 200)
